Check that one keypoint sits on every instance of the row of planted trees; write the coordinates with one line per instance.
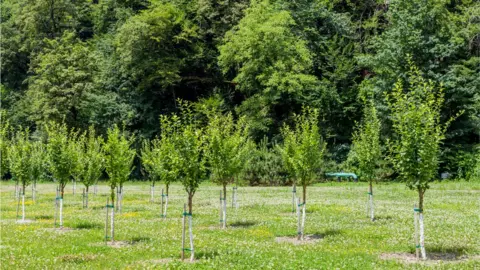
(187, 149)
(65, 155)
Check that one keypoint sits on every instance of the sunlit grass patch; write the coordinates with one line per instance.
(343, 236)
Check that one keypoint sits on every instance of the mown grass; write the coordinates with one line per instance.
(336, 215)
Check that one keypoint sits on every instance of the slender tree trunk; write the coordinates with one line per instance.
(190, 229)
(183, 230)
(294, 191)
(166, 199)
(299, 225)
(86, 197)
(112, 194)
(61, 212)
(421, 192)
(224, 206)
(190, 206)
(372, 216)
(62, 187)
(23, 206)
(119, 198)
(152, 188)
(304, 193)
(190, 202)
(301, 222)
(112, 224)
(34, 190)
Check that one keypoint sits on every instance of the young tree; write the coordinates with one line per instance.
(19, 157)
(118, 159)
(148, 158)
(61, 156)
(189, 143)
(366, 149)
(159, 157)
(415, 113)
(37, 164)
(303, 151)
(227, 149)
(93, 161)
(77, 147)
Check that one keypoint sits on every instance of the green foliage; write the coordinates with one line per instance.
(19, 154)
(265, 166)
(228, 147)
(106, 62)
(303, 148)
(417, 124)
(160, 157)
(442, 39)
(61, 155)
(366, 150)
(190, 144)
(162, 33)
(63, 77)
(118, 157)
(4, 143)
(266, 57)
(77, 147)
(38, 160)
(93, 159)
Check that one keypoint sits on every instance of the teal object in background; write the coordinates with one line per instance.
(342, 174)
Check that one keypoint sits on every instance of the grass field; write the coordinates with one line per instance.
(336, 215)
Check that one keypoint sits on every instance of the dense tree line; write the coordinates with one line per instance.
(106, 62)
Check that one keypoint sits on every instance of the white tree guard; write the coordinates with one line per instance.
(422, 237)
(303, 219)
(61, 212)
(23, 207)
(192, 251)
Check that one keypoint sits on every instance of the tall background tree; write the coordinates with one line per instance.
(112, 62)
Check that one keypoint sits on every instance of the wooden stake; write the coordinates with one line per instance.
(221, 210)
(18, 206)
(422, 236)
(299, 228)
(112, 225)
(161, 205)
(106, 222)
(415, 218)
(183, 230)
(190, 229)
(294, 194)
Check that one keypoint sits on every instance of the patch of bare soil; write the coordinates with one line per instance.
(432, 258)
(307, 239)
(77, 258)
(167, 260)
(26, 221)
(161, 261)
(118, 244)
(64, 229)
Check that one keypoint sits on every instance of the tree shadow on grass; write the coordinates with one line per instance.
(445, 253)
(87, 225)
(44, 217)
(321, 235)
(206, 254)
(138, 239)
(379, 218)
(242, 224)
